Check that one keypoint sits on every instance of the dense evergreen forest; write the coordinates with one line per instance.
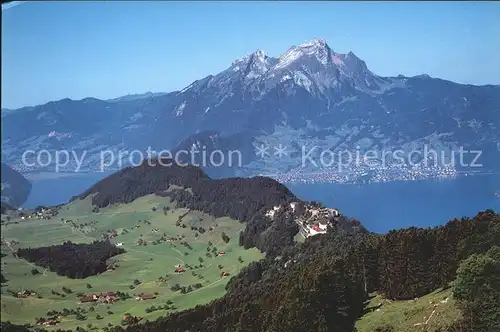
(10, 327)
(72, 260)
(244, 199)
(322, 284)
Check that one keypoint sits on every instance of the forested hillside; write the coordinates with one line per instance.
(323, 285)
(244, 199)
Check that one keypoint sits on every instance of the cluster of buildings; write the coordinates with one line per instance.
(48, 321)
(372, 171)
(311, 219)
(26, 293)
(179, 269)
(110, 235)
(42, 213)
(315, 220)
(104, 297)
(145, 296)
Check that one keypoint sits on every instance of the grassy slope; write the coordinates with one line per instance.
(146, 263)
(403, 315)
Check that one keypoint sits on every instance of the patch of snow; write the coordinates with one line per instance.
(285, 78)
(474, 124)
(131, 127)
(239, 60)
(302, 80)
(252, 75)
(314, 43)
(136, 116)
(180, 109)
(288, 57)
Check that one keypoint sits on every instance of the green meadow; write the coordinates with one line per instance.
(431, 312)
(138, 270)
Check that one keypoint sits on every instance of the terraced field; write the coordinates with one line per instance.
(144, 268)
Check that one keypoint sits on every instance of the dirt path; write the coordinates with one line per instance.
(17, 257)
(155, 254)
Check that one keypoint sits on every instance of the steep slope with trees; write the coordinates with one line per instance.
(323, 284)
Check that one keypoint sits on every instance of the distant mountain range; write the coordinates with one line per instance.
(308, 98)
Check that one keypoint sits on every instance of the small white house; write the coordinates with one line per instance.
(119, 244)
(333, 212)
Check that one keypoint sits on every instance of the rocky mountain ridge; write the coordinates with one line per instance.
(310, 97)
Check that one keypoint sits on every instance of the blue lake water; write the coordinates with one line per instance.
(379, 206)
(384, 206)
(56, 188)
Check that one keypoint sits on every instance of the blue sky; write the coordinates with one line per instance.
(56, 50)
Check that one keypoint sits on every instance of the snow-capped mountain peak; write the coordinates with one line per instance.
(317, 48)
(253, 65)
(314, 43)
(309, 96)
(259, 55)
(312, 65)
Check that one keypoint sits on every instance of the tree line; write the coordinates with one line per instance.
(323, 284)
(243, 199)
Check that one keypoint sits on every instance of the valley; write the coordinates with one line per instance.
(168, 248)
(302, 167)
(146, 268)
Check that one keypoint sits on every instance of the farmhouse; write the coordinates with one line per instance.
(47, 321)
(104, 297)
(87, 298)
(26, 293)
(146, 296)
(179, 269)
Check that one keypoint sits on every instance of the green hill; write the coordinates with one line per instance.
(147, 262)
